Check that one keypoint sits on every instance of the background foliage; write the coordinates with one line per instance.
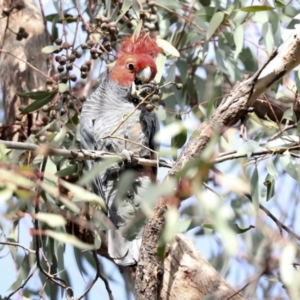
(219, 42)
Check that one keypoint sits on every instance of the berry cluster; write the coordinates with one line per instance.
(22, 34)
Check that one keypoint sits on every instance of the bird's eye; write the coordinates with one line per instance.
(130, 66)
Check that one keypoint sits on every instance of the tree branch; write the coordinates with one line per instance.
(81, 155)
(230, 111)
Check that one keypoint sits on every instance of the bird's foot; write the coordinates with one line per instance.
(127, 155)
(144, 90)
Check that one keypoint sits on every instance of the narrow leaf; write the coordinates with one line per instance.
(168, 48)
(69, 239)
(62, 87)
(125, 7)
(214, 24)
(271, 168)
(238, 40)
(52, 220)
(255, 189)
(50, 49)
(248, 148)
(39, 103)
(270, 184)
(82, 194)
(257, 8)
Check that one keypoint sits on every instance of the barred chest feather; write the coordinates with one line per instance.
(116, 123)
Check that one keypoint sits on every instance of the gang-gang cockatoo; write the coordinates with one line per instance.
(102, 113)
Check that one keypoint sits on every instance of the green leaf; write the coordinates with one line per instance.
(282, 142)
(270, 184)
(248, 148)
(204, 15)
(179, 139)
(298, 126)
(67, 171)
(257, 8)
(248, 59)
(171, 130)
(62, 87)
(237, 229)
(54, 192)
(34, 95)
(238, 40)
(289, 165)
(289, 115)
(171, 217)
(205, 2)
(50, 49)
(5, 194)
(52, 220)
(137, 30)
(168, 48)
(255, 189)
(11, 177)
(293, 23)
(54, 18)
(161, 114)
(271, 168)
(83, 194)
(125, 7)
(96, 170)
(160, 62)
(279, 3)
(69, 239)
(268, 36)
(214, 24)
(209, 226)
(126, 180)
(58, 138)
(183, 226)
(174, 4)
(41, 99)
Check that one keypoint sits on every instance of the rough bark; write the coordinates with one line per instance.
(16, 75)
(268, 106)
(233, 107)
(188, 275)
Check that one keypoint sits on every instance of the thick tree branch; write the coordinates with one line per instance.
(231, 110)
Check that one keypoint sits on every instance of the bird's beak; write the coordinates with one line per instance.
(144, 75)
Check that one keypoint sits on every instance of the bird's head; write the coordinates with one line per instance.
(135, 62)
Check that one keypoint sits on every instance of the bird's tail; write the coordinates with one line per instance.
(123, 252)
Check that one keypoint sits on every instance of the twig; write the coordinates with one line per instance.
(178, 15)
(44, 18)
(23, 284)
(17, 245)
(255, 277)
(275, 220)
(27, 63)
(58, 281)
(82, 155)
(98, 268)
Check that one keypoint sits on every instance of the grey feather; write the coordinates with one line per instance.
(101, 115)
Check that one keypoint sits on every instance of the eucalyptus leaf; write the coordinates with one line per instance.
(69, 239)
(50, 49)
(52, 220)
(41, 99)
(255, 189)
(168, 48)
(257, 8)
(248, 148)
(214, 24)
(238, 40)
